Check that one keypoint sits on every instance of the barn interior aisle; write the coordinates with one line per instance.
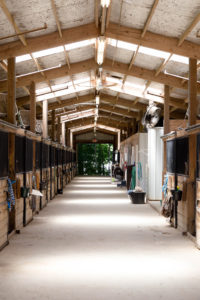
(92, 243)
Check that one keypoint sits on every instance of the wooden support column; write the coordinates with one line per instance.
(63, 133)
(11, 107)
(118, 140)
(32, 107)
(45, 118)
(140, 126)
(53, 121)
(33, 116)
(11, 102)
(166, 110)
(68, 137)
(166, 129)
(71, 139)
(58, 130)
(134, 126)
(192, 90)
(191, 197)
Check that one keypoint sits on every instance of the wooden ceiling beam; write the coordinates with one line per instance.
(119, 111)
(68, 102)
(146, 74)
(91, 129)
(153, 40)
(51, 40)
(90, 120)
(54, 73)
(130, 104)
(102, 113)
(109, 108)
(122, 102)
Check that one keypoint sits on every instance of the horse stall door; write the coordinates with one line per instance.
(20, 169)
(37, 167)
(30, 201)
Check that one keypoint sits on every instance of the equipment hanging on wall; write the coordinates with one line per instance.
(151, 116)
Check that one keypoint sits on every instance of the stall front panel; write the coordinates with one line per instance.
(3, 188)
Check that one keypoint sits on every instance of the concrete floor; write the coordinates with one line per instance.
(91, 244)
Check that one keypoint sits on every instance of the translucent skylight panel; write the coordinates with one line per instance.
(155, 91)
(180, 58)
(61, 86)
(43, 90)
(61, 93)
(81, 44)
(49, 51)
(153, 52)
(82, 80)
(114, 80)
(148, 51)
(23, 58)
(55, 50)
(121, 44)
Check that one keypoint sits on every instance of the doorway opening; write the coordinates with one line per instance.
(95, 159)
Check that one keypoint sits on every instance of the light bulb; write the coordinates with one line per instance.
(100, 52)
(97, 100)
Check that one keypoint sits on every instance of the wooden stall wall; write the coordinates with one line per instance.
(3, 214)
(31, 170)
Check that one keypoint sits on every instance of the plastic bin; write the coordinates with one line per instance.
(137, 197)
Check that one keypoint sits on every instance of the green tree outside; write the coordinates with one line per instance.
(94, 159)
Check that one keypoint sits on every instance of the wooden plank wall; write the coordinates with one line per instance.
(3, 213)
(31, 207)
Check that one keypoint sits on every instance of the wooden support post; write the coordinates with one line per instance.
(53, 121)
(63, 133)
(32, 107)
(118, 140)
(11, 108)
(68, 137)
(140, 126)
(134, 126)
(58, 130)
(166, 130)
(166, 109)
(192, 90)
(45, 118)
(71, 139)
(11, 103)
(191, 197)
